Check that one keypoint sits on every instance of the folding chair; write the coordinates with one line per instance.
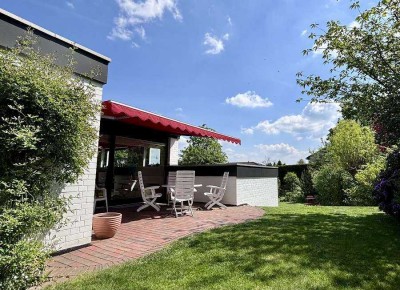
(184, 191)
(171, 181)
(216, 193)
(100, 198)
(148, 199)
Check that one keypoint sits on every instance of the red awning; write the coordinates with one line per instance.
(146, 119)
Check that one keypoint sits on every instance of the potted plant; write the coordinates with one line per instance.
(105, 225)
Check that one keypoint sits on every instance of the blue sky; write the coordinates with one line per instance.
(229, 64)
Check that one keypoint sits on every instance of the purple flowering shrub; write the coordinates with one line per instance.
(387, 189)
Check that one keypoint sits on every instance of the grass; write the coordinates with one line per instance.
(291, 247)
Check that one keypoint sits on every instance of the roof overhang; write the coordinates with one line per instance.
(12, 27)
(135, 116)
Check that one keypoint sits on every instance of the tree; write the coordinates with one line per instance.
(46, 139)
(364, 61)
(202, 150)
(301, 162)
(351, 146)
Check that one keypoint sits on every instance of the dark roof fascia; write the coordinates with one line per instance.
(12, 27)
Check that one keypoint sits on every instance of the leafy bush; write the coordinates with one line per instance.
(351, 146)
(202, 150)
(306, 183)
(46, 139)
(361, 193)
(292, 191)
(331, 183)
(387, 189)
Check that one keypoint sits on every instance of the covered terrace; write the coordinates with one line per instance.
(133, 140)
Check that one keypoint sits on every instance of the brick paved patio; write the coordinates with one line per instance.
(143, 233)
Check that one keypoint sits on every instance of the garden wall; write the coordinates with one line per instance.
(247, 184)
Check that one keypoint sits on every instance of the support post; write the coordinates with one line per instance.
(110, 168)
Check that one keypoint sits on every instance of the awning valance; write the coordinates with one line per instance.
(135, 116)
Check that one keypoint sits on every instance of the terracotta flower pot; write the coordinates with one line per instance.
(105, 225)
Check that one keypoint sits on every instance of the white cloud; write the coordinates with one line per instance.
(249, 99)
(70, 4)
(265, 152)
(313, 123)
(229, 19)
(281, 151)
(135, 45)
(178, 110)
(215, 44)
(133, 13)
(248, 131)
(226, 36)
(303, 33)
(141, 32)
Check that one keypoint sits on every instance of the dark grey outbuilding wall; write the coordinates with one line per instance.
(12, 27)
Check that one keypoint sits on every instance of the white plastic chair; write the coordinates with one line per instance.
(216, 193)
(184, 191)
(148, 199)
(171, 184)
(103, 198)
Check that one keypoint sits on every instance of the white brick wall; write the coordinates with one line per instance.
(257, 191)
(77, 229)
(253, 191)
(173, 151)
(230, 193)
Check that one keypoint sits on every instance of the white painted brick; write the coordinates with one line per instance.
(74, 230)
(88, 233)
(86, 217)
(73, 237)
(78, 230)
(173, 151)
(88, 222)
(85, 229)
(88, 182)
(257, 191)
(87, 205)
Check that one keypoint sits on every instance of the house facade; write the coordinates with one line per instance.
(132, 140)
(78, 228)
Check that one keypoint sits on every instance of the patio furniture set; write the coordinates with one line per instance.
(180, 190)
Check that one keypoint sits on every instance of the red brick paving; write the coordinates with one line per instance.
(143, 233)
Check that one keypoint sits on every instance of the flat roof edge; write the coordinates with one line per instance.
(52, 34)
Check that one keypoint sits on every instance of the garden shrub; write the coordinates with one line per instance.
(292, 191)
(46, 139)
(351, 146)
(387, 189)
(361, 193)
(306, 183)
(331, 183)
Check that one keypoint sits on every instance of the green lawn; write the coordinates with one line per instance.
(291, 247)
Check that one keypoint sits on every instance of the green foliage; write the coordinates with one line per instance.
(291, 188)
(306, 183)
(361, 193)
(202, 150)
(46, 139)
(364, 62)
(351, 146)
(331, 184)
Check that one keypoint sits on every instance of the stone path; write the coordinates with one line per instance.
(143, 233)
